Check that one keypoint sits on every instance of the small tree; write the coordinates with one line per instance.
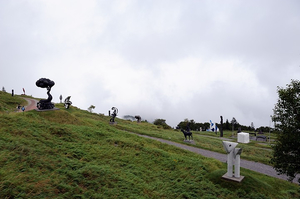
(227, 126)
(129, 117)
(162, 122)
(91, 108)
(234, 124)
(286, 151)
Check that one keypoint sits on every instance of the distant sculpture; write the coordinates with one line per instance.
(188, 128)
(45, 83)
(114, 114)
(138, 118)
(213, 127)
(67, 103)
(187, 133)
(60, 98)
(239, 130)
(221, 126)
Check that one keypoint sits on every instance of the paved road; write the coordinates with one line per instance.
(254, 166)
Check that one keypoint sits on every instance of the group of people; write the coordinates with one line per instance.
(20, 108)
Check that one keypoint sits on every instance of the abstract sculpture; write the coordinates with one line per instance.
(138, 118)
(45, 83)
(67, 103)
(114, 114)
(233, 156)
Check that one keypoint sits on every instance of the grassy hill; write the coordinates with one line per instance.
(76, 154)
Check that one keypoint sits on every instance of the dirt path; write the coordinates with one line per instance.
(254, 166)
(31, 104)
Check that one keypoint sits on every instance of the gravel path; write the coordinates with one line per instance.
(254, 166)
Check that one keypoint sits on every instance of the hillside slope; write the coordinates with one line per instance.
(76, 154)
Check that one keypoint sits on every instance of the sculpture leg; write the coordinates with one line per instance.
(230, 164)
(237, 165)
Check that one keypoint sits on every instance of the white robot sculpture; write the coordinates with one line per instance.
(233, 156)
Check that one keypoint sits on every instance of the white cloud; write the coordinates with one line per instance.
(160, 59)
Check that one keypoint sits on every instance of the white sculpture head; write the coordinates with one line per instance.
(229, 146)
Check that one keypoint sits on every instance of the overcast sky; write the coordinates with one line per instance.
(168, 59)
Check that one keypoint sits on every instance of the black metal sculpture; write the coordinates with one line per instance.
(114, 114)
(45, 83)
(67, 103)
(221, 126)
(138, 118)
(187, 133)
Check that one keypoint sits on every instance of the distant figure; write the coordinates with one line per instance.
(60, 98)
(12, 92)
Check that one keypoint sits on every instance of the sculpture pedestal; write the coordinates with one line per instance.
(235, 179)
(189, 141)
(41, 110)
(113, 123)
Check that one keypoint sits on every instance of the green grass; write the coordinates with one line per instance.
(9, 103)
(76, 154)
(254, 151)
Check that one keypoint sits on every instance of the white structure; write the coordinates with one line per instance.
(233, 157)
(243, 137)
(213, 127)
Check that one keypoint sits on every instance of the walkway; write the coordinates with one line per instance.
(31, 104)
(254, 166)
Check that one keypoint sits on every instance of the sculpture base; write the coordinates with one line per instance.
(113, 123)
(53, 109)
(189, 141)
(233, 178)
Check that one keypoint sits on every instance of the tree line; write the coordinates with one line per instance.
(232, 125)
